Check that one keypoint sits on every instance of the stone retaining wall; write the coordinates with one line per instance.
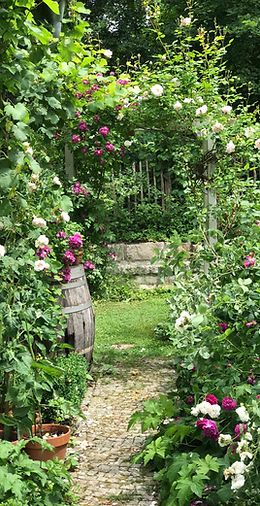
(135, 260)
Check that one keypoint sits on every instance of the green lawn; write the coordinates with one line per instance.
(129, 323)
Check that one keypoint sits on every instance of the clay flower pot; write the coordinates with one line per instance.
(58, 437)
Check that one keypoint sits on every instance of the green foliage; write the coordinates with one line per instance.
(72, 384)
(25, 482)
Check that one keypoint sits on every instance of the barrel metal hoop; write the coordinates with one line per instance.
(77, 271)
(76, 309)
(73, 285)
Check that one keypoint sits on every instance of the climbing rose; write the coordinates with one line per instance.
(69, 257)
(110, 147)
(209, 428)
(43, 251)
(41, 265)
(239, 429)
(98, 152)
(39, 222)
(61, 235)
(226, 109)
(107, 53)
(75, 138)
(251, 324)
(2, 251)
(201, 110)
(217, 127)
(56, 181)
(230, 147)
(223, 326)
(157, 90)
(177, 106)
(66, 274)
(211, 399)
(228, 403)
(75, 241)
(185, 21)
(190, 399)
(122, 81)
(224, 440)
(82, 126)
(85, 81)
(257, 144)
(249, 261)
(65, 216)
(251, 380)
(41, 241)
(104, 131)
(89, 265)
(242, 414)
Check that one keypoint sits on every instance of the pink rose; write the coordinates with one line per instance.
(211, 399)
(104, 131)
(209, 428)
(229, 404)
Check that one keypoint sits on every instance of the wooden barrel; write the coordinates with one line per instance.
(77, 306)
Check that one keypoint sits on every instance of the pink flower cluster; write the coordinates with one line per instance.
(229, 404)
(77, 188)
(89, 265)
(69, 258)
(249, 261)
(61, 234)
(223, 326)
(66, 274)
(43, 251)
(209, 428)
(76, 241)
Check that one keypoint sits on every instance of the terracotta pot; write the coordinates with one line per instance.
(59, 443)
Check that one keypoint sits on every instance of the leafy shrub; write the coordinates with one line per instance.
(72, 385)
(24, 482)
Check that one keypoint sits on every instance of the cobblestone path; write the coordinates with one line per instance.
(105, 476)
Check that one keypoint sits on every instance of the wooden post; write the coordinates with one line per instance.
(210, 196)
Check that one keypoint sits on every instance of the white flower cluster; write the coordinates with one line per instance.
(157, 90)
(65, 216)
(56, 181)
(41, 265)
(202, 110)
(39, 222)
(33, 184)
(205, 408)
(41, 241)
(183, 320)
(236, 472)
(242, 414)
(224, 440)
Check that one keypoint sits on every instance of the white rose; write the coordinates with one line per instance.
(248, 436)
(238, 467)
(214, 411)
(246, 455)
(237, 481)
(127, 144)
(217, 127)
(243, 414)
(32, 187)
(186, 315)
(65, 216)
(41, 265)
(188, 100)
(205, 407)
(41, 241)
(201, 110)
(157, 90)
(177, 106)
(2, 251)
(27, 148)
(257, 144)
(185, 21)
(249, 132)
(226, 109)
(56, 181)
(39, 222)
(230, 147)
(224, 440)
(108, 53)
(195, 411)
(136, 90)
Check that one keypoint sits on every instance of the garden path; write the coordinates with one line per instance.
(106, 476)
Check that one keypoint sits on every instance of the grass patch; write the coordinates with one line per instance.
(129, 323)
